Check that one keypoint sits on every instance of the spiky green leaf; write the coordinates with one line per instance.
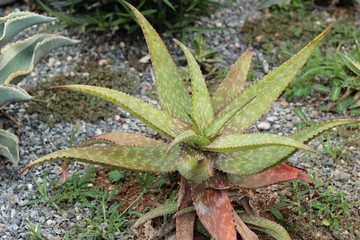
(166, 209)
(215, 127)
(188, 136)
(202, 111)
(9, 146)
(269, 88)
(150, 159)
(277, 174)
(173, 97)
(252, 161)
(15, 22)
(234, 83)
(12, 93)
(120, 139)
(194, 166)
(18, 59)
(264, 225)
(239, 142)
(154, 118)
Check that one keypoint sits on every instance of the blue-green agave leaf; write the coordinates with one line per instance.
(173, 97)
(14, 23)
(18, 59)
(154, 118)
(239, 142)
(202, 111)
(9, 146)
(251, 161)
(234, 83)
(269, 88)
(11, 94)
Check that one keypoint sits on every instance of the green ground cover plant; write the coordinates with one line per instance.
(94, 15)
(304, 210)
(207, 144)
(325, 74)
(17, 60)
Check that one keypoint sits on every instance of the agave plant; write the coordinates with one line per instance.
(17, 60)
(208, 147)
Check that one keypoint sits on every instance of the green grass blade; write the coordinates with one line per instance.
(172, 93)
(269, 88)
(202, 111)
(12, 93)
(14, 23)
(252, 161)
(9, 146)
(152, 117)
(353, 65)
(238, 142)
(264, 225)
(233, 84)
(149, 159)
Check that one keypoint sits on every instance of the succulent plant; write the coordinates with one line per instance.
(17, 60)
(208, 145)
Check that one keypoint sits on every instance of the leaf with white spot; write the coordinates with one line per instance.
(251, 161)
(149, 159)
(202, 111)
(166, 209)
(173, 97)
(154, 118)
(264, 225)
(188, 136)
(238, 142)
(234, 83)
(215, 127)
(215, 212)
(269, 88)
(194, 166)
(120, 139)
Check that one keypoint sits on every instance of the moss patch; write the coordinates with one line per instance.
(70, 106)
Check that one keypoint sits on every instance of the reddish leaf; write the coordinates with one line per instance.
(185, 222)
(219, 181)
(215, 212)
(277, 174)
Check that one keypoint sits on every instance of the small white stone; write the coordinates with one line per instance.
(272, 119)
(264, 125)
(122, 44)
(145, 59)
(30, 186)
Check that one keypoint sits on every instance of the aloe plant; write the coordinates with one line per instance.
(208, 147)
(17, 60)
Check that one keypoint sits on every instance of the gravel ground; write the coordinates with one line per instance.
(37, 139)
